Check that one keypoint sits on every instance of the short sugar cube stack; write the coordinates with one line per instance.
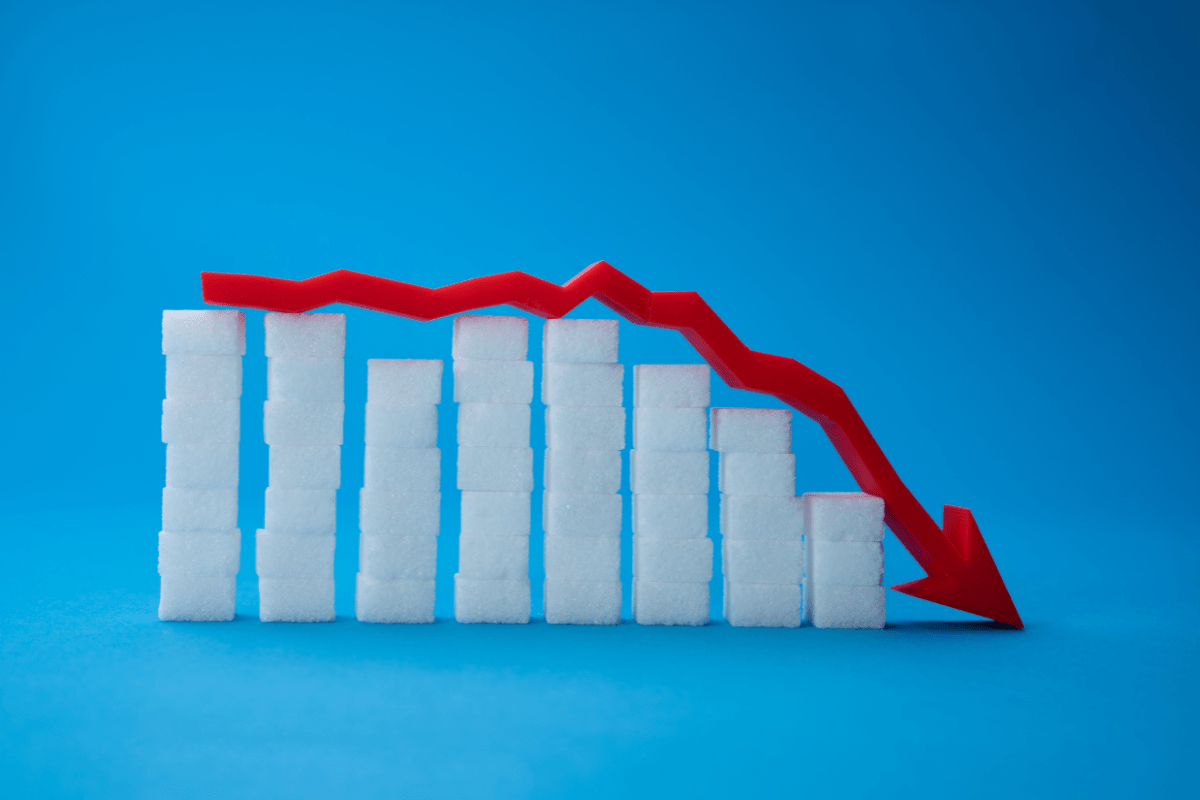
(843, 585)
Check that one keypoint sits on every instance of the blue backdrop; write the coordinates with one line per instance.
(979, 218)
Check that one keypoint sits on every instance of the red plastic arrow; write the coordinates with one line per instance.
(960, 569)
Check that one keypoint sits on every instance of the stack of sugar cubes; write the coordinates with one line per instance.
(762, 522)
(302, 423)
(400, 503)
(493, 385)
(200, 544)
(843, 584)
(672, 554)
(585, 433)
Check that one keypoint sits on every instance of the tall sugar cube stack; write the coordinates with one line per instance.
(302, 423)
(672, 554)
(493, 386)
(581, 507)
(400, 502)
(199, 545)
(761, 517)
(843, 586)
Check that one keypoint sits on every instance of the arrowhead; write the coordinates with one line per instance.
(971, 582)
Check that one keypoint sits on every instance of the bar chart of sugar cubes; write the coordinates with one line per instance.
(785, 557)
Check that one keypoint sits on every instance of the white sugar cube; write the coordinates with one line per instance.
(205, 332)
(202, 466)
(751, 430)
(291, 423)
(495, 469)
(394, 601)
(480, 381)
(398, 557)
(490, 337)
(397, 513)
(762, 561)
(200, 553)
(758, 474)
(401, 425)
(404, 381)
(199, 510)
(843, 517)
(408, 469)
(201, 421)
(845, 563)
(495, 513)
(309, 511)
(580, 340)
(192, 377)
(578, 558)
(309, 380)
(569, 384)
(493, 425)
(196, 598)
(493, 558)
(672, 560)
(585, 427)
(582, 602)
(836, 606)
(305, 335)
(491, 601)
(295, 600)
(596, 471)
(668, 472)
(762, 605)
(671, 385)
(309, 467)
(670, 603)
(671, 516)
(670, 429)
(761, 517)
(581, 514)
(293, 555)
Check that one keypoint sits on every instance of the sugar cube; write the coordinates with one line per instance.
(576, 384)
(200, 553)
(843, 517)
(196, 598)
(398, 557)
(293, 555)
(395, 601)
(762, 561)
(295, 600)
(581, 514)
(493, 558)
(592, 340)
(668, 472)
(404, 381)
(308, 511)
(671, 516)
(201, 421)
(585, 427)
(202, 466)
(187, 510)
(409, 469)
(205, 332)
(837, 606)
(481, 381)
(493, 425)
(308, 467)
(490, 337)
(309, 380)
(762, 605)
(495, 469)
(392, 512)
(845, 563)
(672, 560)
(291, 423)
(758, 474)
(195, 377)
(397, 425)
(305, 335)
(597, 471)
(670, 429)
(670, 603)
(761, 517)
(751, 430)
(582, 602)
(578, 558)
(671, 385)
(495, 513)
(491, 601)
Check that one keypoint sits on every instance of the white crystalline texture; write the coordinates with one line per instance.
(201, 421)
(762, 605)
(309, 511)
(751, 430)
(398, 513)
(201, 554)
(292, 424)
(491, 337)
(670, 429)
(480, 381)
(293, 555)
(845, 563)
(398, 557)
(843, 517)
(770, 474)
(595, 471)
(565, 384)
(495, 513)
(195, 377)
(493, 425)
(585, 427)
(309, 380)
(305, 335)
(309, 467)
(491, 601)
(495, 469)
(393, 601)
(668, 472)
(295, 599)
(199, 510)
(408, 469)
(202, 466)
(204, 332)
(670, 603)
(671, 385)
(671, 516)
(672, 560)
(760, 517)
(582, 602)
(577, 558)
(592, 340)
(401, 425)
(836, 606)
(196, 598)
(404, 381)
(762, 561)
(581, 514)
(493, 558)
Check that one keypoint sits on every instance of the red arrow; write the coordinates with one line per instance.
(960, 569)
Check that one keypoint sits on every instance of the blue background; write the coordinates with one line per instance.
(979, 218)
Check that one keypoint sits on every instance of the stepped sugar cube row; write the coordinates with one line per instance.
(843, 586)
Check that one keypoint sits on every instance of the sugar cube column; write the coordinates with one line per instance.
(199, 544)
(843, 585)
(493, 385)
(672, 554)
(585, 433)
(400, 503)
(761, 517)
(302, 423)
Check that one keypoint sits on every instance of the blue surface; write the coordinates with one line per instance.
(979, 220)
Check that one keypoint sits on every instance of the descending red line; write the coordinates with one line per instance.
(960, 570)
